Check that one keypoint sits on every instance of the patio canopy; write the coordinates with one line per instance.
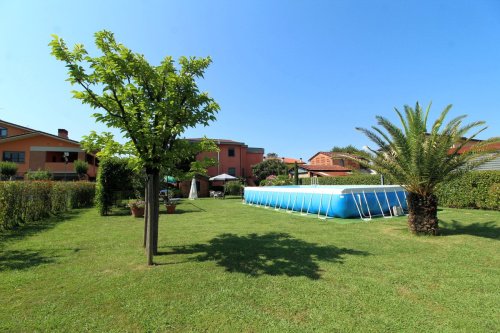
(223, 177)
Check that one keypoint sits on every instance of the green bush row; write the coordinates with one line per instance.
(477, 189)
(358, 179)
(23, 202)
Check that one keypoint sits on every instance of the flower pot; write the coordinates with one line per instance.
(170, 209)
(137, 211)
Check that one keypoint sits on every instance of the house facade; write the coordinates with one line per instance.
(234, 158)
(33, 150)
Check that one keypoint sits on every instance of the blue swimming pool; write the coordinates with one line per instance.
(342, 201)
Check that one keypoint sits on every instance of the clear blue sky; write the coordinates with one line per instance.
(293, 77)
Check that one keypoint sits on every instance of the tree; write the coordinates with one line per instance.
(419, 160)
(151, 105)
(272, 155)
(269, 167)
(350, 149)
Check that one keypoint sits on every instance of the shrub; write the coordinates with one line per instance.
(276, 181)
(475, 189)
(38, 175)
(357, 179)
(114, 175)
(81, 168)
(25, 202)
(233, 188)
(7, 170)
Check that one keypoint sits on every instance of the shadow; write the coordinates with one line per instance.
(119, 211)
(32, 228)
(197, 208)
(484, 229)
(270, 254)
(19, 260)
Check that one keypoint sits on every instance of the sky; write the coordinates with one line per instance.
(292, 77)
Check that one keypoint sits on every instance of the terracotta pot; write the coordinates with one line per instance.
(170, 209)
(137, 211)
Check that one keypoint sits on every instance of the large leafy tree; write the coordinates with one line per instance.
(419, 158)
(151, 105)
(271, 166)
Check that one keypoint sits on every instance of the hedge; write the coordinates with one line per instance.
(23, 202)
(113, 178)
(358, 179)
(476, 189)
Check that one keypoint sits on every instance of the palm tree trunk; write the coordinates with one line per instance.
(422, 214)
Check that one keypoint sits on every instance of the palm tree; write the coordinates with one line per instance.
(419, 160)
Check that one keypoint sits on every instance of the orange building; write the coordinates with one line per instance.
(234, 158)
(33, 150)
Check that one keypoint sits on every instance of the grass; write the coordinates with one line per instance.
(227, 267)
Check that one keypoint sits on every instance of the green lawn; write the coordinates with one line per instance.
(228, 267)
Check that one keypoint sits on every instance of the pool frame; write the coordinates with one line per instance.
(329, 201)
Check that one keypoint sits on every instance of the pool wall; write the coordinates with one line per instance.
(330, 201)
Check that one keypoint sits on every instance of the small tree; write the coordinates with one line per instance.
(81, 168)
(151, 105)
(269, 167)
(7, 170)
(295, 173)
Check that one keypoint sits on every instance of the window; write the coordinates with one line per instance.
(341, 162)
(230, 152)
(3, 132)
(13, 156)
(231, 171)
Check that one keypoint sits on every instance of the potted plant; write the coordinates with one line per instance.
(169, 202)
(136, 207)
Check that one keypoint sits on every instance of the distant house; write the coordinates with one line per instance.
(234, 158)
(309, 170)
(323, 158)
(32, 150)
(491, 165)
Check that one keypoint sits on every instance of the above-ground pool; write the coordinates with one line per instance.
(343, 201)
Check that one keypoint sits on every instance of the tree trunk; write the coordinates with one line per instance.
(146, 214)
(422, 214)
(150, 227)
(156, 209)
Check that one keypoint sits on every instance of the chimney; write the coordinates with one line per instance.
(61, 132)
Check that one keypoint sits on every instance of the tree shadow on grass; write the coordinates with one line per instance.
(24, 259)
(268, 254)
(32, 228)
(488, 229)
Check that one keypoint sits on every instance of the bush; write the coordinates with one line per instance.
(81, 168)
(7, 170)
(357, 179)
(25, 202)
(114, 176)
(475, 189)
(38, 175)
(233, 188)
(277, 181)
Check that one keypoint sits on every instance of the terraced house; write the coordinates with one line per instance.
(32, 150)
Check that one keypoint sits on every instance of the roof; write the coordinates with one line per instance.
(335, 155)
(490, 147)
(31, 133)
(254, 150)
(218, 141)
(290, 160)
(336, 168)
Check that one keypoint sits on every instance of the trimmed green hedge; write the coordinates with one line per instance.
(363, 179)
(23, 202)
(477, 189)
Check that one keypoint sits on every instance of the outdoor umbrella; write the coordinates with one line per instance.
(193, 194)
(223, 177)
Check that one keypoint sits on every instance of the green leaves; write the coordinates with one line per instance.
(151, 105)
(418, 159)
